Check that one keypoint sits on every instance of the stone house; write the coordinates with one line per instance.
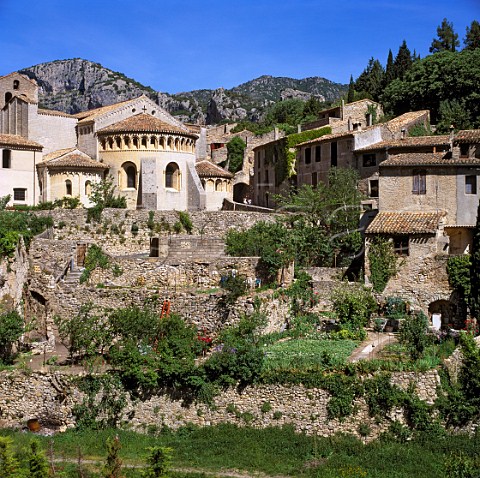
(427, 207)
(149, 153)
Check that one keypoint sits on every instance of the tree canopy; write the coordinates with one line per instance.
(447, 39)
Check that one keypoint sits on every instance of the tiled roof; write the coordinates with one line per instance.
(90, 115)
(405, 223)
(44, 111)
(327, 137)
(409, 142)
(18, 142)
(144, 123)
(468, 136)
(427, 159)
(207, 169)
(406, 118)
(70, 158)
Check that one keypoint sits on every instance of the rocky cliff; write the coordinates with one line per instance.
(78, 85)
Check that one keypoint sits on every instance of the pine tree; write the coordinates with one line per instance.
(9, 467)
(447, 38)
(403, 61)
(472, 38)
(475, 270)
(158, 462)
(351, 91)
(371, 79)
(37, 462)
(113, 466)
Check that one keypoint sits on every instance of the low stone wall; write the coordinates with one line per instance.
(50, 398)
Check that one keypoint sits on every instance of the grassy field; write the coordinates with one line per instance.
(308, 353)
(273, 452)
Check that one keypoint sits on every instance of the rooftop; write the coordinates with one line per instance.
(70, 158)
(144, 123)
(414, 141)
(405, 223)
(18, 142)
(90, 115)
(44, 111)
(468, 136)
(206, 169)
(427, 159)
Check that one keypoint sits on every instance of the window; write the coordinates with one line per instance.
(419, 182)
(369, 160)
(19, 194)
(88, 188)
(68, 187)
(16, 84)
(8, 96)
(6, 159)
(308, 155)
(333, 154)
(400, 245)
(131, 176)
(374, 188)
(471, 184)
(172, 176)
(318, 153)
(464, 150)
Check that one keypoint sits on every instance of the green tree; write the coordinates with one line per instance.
(383, 263)
(236, 149)
(472, 38)
(102, 196)
(9, 465)
(159, 462)
(371, 79)
(113, 465)
(288, 112)
(351, 91)
(403, 61)
(11, 329)
(413, 334)
(453, 112)
(389, 69)
(311, 108)
(447, 38)
(475, 270)
(37, 461)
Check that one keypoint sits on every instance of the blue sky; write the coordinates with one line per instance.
(180, 45)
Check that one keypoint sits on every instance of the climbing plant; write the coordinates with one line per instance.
(383, 263)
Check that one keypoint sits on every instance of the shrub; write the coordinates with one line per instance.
(11, 329)
(413, 334)
(383, 263)
(185, 221)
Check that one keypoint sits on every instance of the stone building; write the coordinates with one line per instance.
(427, 208)
(150, 154)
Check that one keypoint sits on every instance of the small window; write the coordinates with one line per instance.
(6, 159)
(131, 176)
(318, 153)
(308, 155)
(419, 182)
(471, 184)
(369, 160)
(172, 176)
(400, 245)
(374, 188)
(464, 150)
(8, 96)
(333, 154)
(68, 187)
(16, 84)
(19, 194)
(88, 188)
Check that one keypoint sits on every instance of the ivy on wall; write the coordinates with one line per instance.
(383, 263)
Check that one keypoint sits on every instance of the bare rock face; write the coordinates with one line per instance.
(292, 94)
(222, 107)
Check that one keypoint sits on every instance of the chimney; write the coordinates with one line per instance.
(452, 135)
(341, 109)
(299, 128)
(349, 124)
(404, 133)
(275, 133)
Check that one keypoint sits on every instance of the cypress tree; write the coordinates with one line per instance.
(403, 61)
(475, 270)
(351, 91)
(390, 69)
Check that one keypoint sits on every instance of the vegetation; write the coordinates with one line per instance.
(103, 196)
(236, 149)
(383, 263)
(11, 329)
(94, 258)
(413, 333)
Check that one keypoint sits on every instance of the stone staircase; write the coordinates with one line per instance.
(73, 277)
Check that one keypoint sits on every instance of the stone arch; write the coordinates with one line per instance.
(68, 187)
(110, 142)
(162, 142)
(129, 176)
(172, 176)
(8, 96)
(136, 142)
(145, 142)
(218, 185)
(153, 142)
(170, 143)
(88, 188)
(118, 142)
(445, 308)
(127, 141)
(177, 144)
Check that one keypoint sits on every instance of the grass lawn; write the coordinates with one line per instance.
(308, 353)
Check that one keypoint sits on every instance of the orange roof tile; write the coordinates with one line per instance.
(207, 169)
(70, 158)
(468, 136)
(90, 115)
(427, 159)
(44, 111)
(409, 142)
(405, 223)
(18, 142)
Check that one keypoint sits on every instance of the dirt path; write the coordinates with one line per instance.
(371, 347)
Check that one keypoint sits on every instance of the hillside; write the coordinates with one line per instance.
(77, 85)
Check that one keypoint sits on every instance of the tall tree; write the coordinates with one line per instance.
(403, 61)
(371, 79)
(475, 270)
(472, 38)
(389, 69)
(351, 90)
(447, 38)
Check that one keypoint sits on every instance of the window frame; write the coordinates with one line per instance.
(419, 179)
(472, 185)
(22, 192)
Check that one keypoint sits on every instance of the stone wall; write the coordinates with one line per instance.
(50, 397)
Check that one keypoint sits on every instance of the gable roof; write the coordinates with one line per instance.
(44, 111)
(468, 136)
(90, 115)
(327, 137)
(409, 142)
(25, 77)
(70, 158)
(206, 169)
(405, 223)
(15, 141)
(427, 159)
(144, 122)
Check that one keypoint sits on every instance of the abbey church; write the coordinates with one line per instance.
(49, 155)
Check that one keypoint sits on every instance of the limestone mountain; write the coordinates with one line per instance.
(77, 85)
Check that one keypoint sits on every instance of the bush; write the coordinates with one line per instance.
(185, 221)
(413, 334)
(236, 148)
(11, 329)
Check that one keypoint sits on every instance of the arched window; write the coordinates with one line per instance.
(129, 176)
(6, 159)
(88, 188)
(218, 185)
(68, 187)
(8, 96)
(16, 84)
(172, 176)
